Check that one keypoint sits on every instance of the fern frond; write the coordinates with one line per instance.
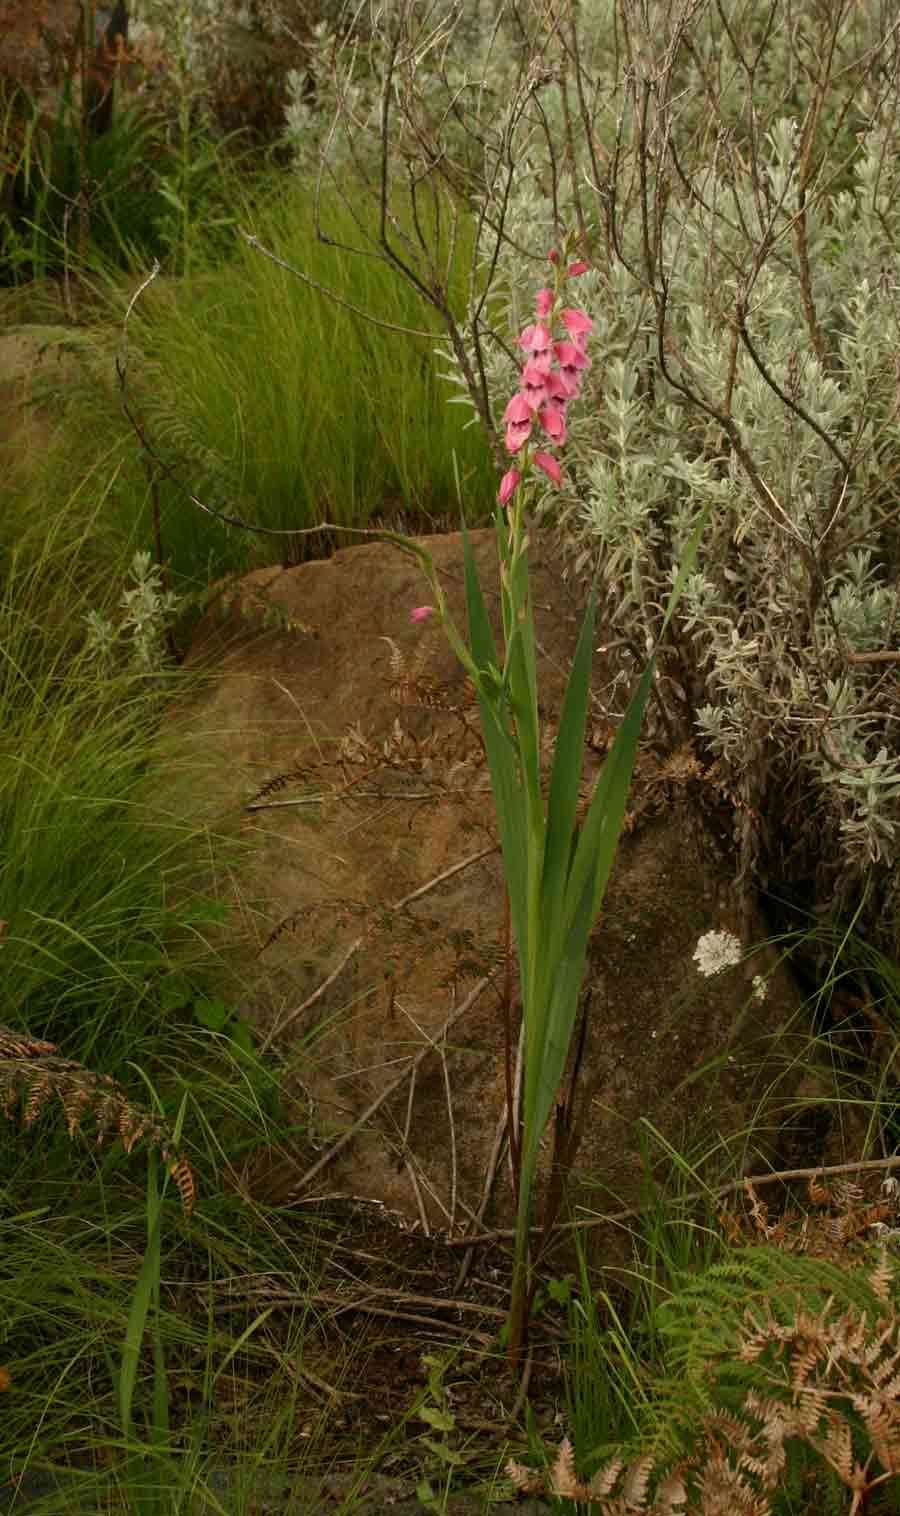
(882, 1276)
(32, 1074)
(297, 774)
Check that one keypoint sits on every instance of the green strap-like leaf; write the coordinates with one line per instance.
(563, 797)
(505, 780)
(542, 1080)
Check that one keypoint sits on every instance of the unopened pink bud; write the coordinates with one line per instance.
(544, 302)
(549, 465)
(553, 255)
(508, 484)
(421, 613)
(578, 268)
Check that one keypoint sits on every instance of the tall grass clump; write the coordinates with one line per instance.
(288, 408)
(77, 203)
(94, 868)
(116, 1383)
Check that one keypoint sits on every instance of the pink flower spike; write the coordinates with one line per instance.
(544, 302)
(421, 613)
(551, 468)
(553, 420)
(575, 269)
(577, 323)
(508, 485)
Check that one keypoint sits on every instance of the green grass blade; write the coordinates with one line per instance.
(147, 1284)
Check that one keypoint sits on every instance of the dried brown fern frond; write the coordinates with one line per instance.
(32, 1074)
(840, 1227)
(828, 1380)
(412, 685)
(297, 774)
(619, 1489)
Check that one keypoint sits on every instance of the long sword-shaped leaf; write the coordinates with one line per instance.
(603, 824)
(505, 780)
(563, 797)
(543, 1080)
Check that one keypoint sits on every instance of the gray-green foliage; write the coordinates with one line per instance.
(734, 171)
(147, 615)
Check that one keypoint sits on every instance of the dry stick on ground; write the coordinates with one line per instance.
(417, 1191)
(494, 1160)
(452, 1125)
(393, 1087)
(392, 1313)
(733, 1187)
(423, 889)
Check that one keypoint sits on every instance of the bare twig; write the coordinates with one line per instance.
(281, 1027)
(719, 1192)
(391, 1089)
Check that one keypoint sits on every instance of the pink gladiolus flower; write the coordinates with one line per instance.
(508, 484)
(548, 463)
(533, 384)
(518, 422)
(571, 361)
(544, 302)
(578, 268)
(518, 411)
(577, 324)
(536, 341)
(516, 437)
(553, 419)
(421, 613)
(556, 390)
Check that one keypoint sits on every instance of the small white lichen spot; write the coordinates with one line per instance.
(717, 951)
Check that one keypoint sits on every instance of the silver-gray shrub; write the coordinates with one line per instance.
(735, 173)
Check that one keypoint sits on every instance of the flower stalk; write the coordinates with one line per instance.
(555, 874)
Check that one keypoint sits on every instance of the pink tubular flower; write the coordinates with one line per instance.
(508, 485)
(533, 384)
(571, 362)
(577, 324)
(556, 390)
(575, 269)
(536, 342)
(421, 613)
(553, 419)
(518, 422)
(549, 465)
(544, 302)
